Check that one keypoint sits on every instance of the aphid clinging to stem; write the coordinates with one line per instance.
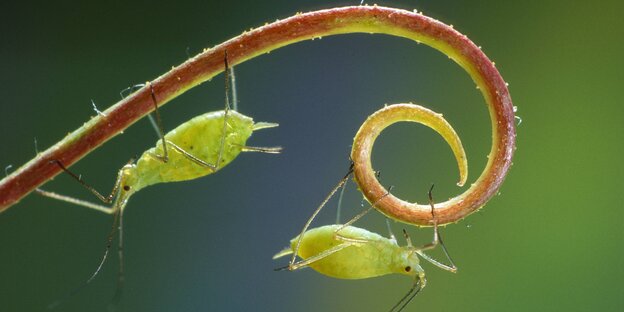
(348, 252)
(196, 148)
(345, 251)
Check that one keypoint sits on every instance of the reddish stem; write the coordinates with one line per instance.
(262, 40)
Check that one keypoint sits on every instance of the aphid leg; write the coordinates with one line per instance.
(354, 219)
(339, 208)
(399, 306)
(234, 93)
(75, 201)
(348, 239)
(161, 132)
(192, 157)
(129, 90)
(227, 106)
(390, 233)
(106, 199)
(325, 253)
(307, 224)
(437, 240)
(230, 80)
(188, 155)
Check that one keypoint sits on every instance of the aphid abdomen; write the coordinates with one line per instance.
(200, 137)
(363, 260)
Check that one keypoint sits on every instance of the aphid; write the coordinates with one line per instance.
(348, 252)
(196, 148)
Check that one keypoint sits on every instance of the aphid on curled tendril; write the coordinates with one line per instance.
(196, 148)
(345, 251)
(348, 252)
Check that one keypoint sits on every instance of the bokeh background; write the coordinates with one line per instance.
(552, 240)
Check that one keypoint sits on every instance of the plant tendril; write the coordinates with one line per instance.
(353, 19)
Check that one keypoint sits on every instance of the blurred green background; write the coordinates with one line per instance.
(552, 240)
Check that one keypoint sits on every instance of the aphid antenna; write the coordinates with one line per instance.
(117, 221)
(409, 296)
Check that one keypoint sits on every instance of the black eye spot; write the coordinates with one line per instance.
(191, 147)
(408, 268)
(126, 188)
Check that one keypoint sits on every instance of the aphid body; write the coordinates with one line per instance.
(200, 137)
(357, 260)
(189, 145)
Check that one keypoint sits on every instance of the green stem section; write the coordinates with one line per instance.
(355, 19)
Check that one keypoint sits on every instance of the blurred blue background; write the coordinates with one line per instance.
(552, 240)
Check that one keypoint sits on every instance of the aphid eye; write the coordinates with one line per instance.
(126, 188)
(408, 268)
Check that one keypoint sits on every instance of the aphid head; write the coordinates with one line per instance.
(129, 181)
(408, 263)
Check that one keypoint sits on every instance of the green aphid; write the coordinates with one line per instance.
(196, 148)
(348, 252)
(199, 147)
(337, 257)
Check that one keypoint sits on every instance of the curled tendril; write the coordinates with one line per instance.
(363, 171)
(396, 208)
